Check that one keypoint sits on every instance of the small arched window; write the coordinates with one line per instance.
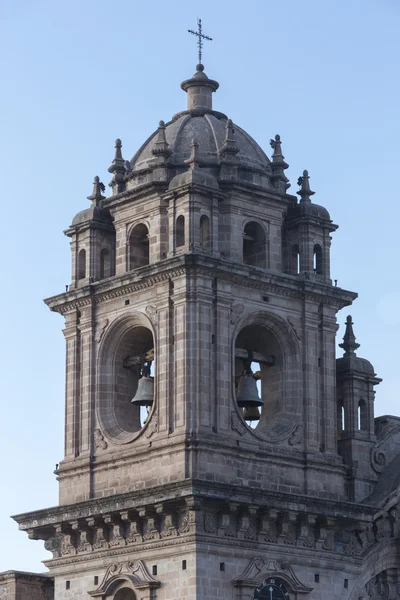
(295, 260)
(105, 263)
(139, 247)
(82, 264)
(254, 245)
(180, 231)
(205, 231)
(362, 417)
(318, 262)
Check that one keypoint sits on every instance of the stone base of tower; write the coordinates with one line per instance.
(208, 541)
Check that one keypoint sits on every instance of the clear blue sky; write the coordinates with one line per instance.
(75, 75)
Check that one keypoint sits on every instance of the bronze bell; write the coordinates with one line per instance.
(247, 392)
(251, 413)
(145, 392)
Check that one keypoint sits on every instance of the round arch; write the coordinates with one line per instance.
(129, 335)
(383, 556)
(268, 335)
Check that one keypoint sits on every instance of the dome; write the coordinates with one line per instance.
(351, 362)
(308, 209)
(217, 137)
(93, 213)
(209, 131)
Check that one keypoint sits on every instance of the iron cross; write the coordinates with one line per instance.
(200, 37)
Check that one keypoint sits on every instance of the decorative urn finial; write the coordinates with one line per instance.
(305, 191)
(349, 344)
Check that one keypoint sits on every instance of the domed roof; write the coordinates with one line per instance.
(209, 131)
(308, 209)
(95, 212)
(350, 361)
(219, 140)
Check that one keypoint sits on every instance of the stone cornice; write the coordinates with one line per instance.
(267, 282)
(221, 492)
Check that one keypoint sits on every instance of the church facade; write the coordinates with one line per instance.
(215, 448)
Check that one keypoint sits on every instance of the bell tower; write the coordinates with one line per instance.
(201, 433)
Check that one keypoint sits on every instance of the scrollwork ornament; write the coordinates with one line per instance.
(378, 460)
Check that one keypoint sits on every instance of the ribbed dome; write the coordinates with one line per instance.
(220, 143)
(209, 130)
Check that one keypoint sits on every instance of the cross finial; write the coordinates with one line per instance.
(200, 37)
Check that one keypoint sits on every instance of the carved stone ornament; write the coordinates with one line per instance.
(296, 436)
(378, 459)
(99, 440)
(236, 312)
(133, 572)
(260, 569)
(151, 312)
(100, 329)
(152, 426)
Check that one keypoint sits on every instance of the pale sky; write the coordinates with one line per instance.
(76, 75)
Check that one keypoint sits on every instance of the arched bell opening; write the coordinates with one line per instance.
(318, 261)
(126, 379)
(205, 237)
(105, 264)
(82, 264)
(180, 231)
(254, 245)
(259, 382)
(139, 250)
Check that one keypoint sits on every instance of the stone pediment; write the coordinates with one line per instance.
(260, 569)
(133, 572)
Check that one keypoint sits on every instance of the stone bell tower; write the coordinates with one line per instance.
(201, 429)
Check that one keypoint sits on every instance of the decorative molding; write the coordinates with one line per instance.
(133, 571)
(99, 440)
(260, 569)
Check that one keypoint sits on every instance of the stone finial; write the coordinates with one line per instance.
(278, 164)
(349, 344)
(162, 148)
(96, 195)
(194, 160)
(229, 146)
(118, 169)
(305, 191)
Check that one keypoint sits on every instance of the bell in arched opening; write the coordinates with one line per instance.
(247, 393)
(251, 413)
(145, 390)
